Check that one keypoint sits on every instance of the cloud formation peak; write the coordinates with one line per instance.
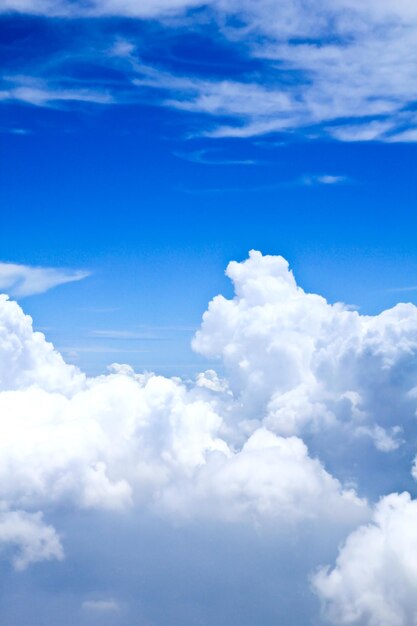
(282, 444)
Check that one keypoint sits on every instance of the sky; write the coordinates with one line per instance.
(208, 342)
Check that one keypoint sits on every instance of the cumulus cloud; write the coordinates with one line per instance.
(126, 440)
(24, 280)
(232, 449)
(27, 358)
(271, 478)
(126, 436)
(302, 364)
(373, 582)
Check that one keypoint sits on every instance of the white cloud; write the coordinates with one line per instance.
(368, 131)
(228, 450)
(34, 540)
(27, 359)
(374, 580)
(123, 437)
(25, 280)
(385, 440)
(126, 440)
(302, 364)
(272, 478)
(100, 605)
(123, 334)
(323, 179)
(148, 8)
(367, 76)
(46, 96)
(207, 157)
(406, 136)
(352, 66)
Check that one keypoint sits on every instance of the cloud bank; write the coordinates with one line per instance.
(251, 450)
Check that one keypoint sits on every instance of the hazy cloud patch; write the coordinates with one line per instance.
(25, 280)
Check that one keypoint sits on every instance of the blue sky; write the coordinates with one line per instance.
(265, 472)
(117, 179)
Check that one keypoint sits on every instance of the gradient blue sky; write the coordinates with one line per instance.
(145, 144)
(115, 178)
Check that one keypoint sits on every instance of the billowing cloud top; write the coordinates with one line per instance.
(308, 386)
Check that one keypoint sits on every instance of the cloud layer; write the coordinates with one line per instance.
(345, 69)
(250, 450)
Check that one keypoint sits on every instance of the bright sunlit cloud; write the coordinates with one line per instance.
(169, 456)
(249, 449)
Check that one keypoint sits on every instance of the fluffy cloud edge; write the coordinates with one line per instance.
(226, 450)
(373, 580)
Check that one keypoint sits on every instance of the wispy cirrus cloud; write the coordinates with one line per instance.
(399, 289)
(100, 605)
(25, 280)
(346, 70)
(208, 157)
(124, 334)
(41, 93)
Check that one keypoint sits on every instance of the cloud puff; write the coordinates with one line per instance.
(271, 478)
(27, 358)
(24, 280)
(374, 580)
(34, 540)
(302, 364)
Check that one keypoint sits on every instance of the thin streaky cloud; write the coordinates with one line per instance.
(25, 280)
(40, 93)
(124, 334)
(73, 351)
(100, 605)
(203, 157)
(407, 136)
(179, 328)
(95, 310)
(302, 181)
(353, 77)
(399, 289)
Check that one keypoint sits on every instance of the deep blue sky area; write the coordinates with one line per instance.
(135, 193)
